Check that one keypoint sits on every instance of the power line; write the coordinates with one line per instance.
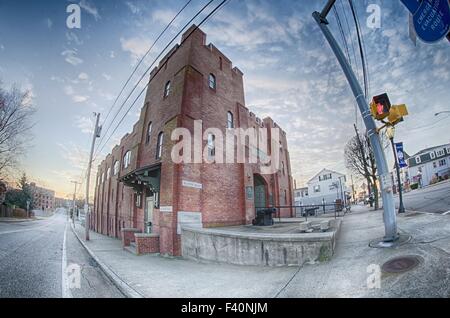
(341, 31)
(146, 71)
(165, 62)
(141, 60)
(361, 49)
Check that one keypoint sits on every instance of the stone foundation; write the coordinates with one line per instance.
(267, 249)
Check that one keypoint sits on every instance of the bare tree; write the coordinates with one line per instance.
(15, 116)
(359, 159)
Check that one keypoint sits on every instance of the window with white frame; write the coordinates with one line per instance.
(127, 159)
(212, 81)
(442, 162)
(230, 120)
(432, 155)
(108, 173)
(167, 89)
(448, 150)
(159, 145)
(440, 152)
(149, 133)
(116, 167)
(418, 160)
(317, 188)
(211, 146)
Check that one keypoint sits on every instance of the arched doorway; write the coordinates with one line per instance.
(260, 187)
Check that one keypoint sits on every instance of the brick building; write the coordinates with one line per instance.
(139, 186)
(43, 199)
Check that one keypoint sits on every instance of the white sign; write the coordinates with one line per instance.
(166, 209)
(192, 219)
(191, 184)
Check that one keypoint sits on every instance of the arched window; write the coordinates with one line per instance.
(116, 167)
(149, 133)
(212, 81)
(230, 120)
(127, 159)
(211, 146)
(159, 145)
(108, 173)
(167, 89)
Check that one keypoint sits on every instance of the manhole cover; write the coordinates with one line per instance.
(400, 264)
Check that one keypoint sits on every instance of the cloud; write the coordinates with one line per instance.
(164, 16)
(137, 46)
(85, 124)
(83, 76)
(90, 8)
(71, 57)
(106, 76)
(80, 98)
(72, 38)
(133, 8)
(49, 23)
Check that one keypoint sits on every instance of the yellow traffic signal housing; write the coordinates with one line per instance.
(396, 114)
(380, 106)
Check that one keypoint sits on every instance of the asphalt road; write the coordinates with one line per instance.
(434, 199)
(33, 255)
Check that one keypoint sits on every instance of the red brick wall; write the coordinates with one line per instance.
(222, 199)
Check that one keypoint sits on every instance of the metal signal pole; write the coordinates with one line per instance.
(389, 216)
(87, 222)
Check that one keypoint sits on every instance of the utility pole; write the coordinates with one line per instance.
(389, 216)
(74, 199)
(97, 132)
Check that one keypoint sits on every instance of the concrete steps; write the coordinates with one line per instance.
(131, 248)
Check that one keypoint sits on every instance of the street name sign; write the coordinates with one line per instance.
(431, 18)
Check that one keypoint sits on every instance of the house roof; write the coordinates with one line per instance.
(426, 150)
(323, 170)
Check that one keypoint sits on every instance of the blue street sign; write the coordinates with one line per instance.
(400, 155)
(431, 18)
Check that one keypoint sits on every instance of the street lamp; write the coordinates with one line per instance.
(390, 132)
(444, 112)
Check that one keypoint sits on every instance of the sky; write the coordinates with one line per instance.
(290, 74)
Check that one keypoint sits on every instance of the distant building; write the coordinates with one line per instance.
(325, 187)
(429, 164)
(63, 203)
(43, 199)
(300, 194)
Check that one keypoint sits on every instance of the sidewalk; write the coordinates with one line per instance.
(344, 276)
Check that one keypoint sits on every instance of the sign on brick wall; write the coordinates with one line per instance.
(191, 184)
(191, 219)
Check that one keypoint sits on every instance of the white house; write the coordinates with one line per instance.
(326, 186)
(428, 164)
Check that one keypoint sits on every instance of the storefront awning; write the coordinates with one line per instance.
(144, 178)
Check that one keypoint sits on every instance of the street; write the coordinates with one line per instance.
(434, 199)
(32, 255)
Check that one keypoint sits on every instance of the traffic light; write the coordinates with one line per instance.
(380, 106)
(396, 114)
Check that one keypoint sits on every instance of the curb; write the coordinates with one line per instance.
(124, 288)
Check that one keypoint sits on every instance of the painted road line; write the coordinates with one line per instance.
(66, 293)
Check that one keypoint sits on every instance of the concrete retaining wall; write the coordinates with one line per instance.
(258, 249)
